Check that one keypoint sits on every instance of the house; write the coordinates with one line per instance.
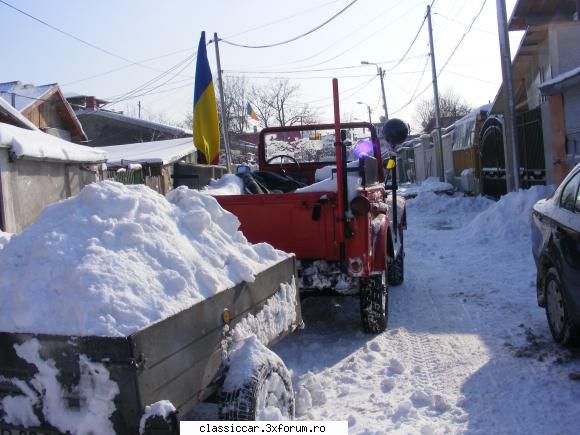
(161, 165)
(549, 48)
(105, 127)
(45, 107)
(37, 169)
(563, 101)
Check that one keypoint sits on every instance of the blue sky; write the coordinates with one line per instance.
(372, 30)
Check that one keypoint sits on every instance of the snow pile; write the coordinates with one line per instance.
(431, 184)
(277, 316)
(39, 145)
(354, 182)
(95, 390)
(229, 184)
(163, 409)
(4, 239)
(510, 217)
(116, 258)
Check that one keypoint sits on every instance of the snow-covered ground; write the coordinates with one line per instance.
(467, 349)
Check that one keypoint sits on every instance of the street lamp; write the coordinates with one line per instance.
(368, 109)
(380, 73)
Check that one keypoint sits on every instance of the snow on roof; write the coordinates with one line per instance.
(115, 259)
(37, 145)
(20, 119)
(550, 86)
(162, 151)
(25, 95)
(135, 121)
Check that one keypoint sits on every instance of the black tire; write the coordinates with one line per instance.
(396, 270)
(374, 304)
(563, 330)
(244, 404)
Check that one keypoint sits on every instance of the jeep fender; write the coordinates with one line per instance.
(382, 244)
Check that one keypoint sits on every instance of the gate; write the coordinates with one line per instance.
(531, 148)
(531, 153)
(492, 158)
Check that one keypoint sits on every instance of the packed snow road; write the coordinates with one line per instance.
(467, 349)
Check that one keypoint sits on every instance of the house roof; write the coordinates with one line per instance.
(528, 13)
(26, 97)
(36, 145)
(527, 51)
(164, 152)
(10, 115)
(119, 117)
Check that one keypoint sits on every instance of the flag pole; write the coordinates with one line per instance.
(224, 126)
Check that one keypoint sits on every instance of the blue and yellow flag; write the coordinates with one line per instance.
(206, 132)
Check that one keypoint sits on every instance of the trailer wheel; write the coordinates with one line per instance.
(266, 395)
(374, 303)
(396, 270)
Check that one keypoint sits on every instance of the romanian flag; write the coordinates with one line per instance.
(206, 132)
(251, 112)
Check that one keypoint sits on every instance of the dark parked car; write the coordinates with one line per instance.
(556, 248)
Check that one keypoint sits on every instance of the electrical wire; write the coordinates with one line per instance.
(463, 24)
(76, 38)
(295, 38)
(463, 37)
(281, 20)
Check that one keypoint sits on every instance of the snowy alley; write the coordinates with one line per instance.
(467, 349)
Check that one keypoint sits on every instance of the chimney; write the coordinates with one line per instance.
(91, 103)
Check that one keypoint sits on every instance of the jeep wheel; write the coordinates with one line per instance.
(374, 304)
(396, 270)
(563, 330)
(266, 395)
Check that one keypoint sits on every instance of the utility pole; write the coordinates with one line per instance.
(381, 74)
(436, 96)
(512, 161)
(139, 106)
(223, 104)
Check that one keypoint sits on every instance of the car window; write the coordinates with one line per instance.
(570, 193)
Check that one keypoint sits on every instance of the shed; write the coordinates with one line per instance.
(37, 169)
(150, 163)
(45, 107)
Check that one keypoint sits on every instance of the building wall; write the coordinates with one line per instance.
(29, 186)
(571, 100)
(564, 52)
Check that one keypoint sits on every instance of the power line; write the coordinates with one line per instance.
(76, 38)
(348, 35)
(281, 19)
(463, 24)
(463, 36)
(104, 73)
(294, 38)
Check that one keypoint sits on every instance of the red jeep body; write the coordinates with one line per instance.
(309, 224)
(343, 237)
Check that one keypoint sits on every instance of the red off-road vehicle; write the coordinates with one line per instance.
(330, 199)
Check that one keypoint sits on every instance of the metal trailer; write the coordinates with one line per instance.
(180, 359)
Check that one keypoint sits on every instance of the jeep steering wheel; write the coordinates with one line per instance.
(282, 157)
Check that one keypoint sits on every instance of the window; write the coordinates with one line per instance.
(570, 193)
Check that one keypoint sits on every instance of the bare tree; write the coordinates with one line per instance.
(236, 100)
(452, 108)
(277, 103)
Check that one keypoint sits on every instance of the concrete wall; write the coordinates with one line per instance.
(564, 52)
(29, 186)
